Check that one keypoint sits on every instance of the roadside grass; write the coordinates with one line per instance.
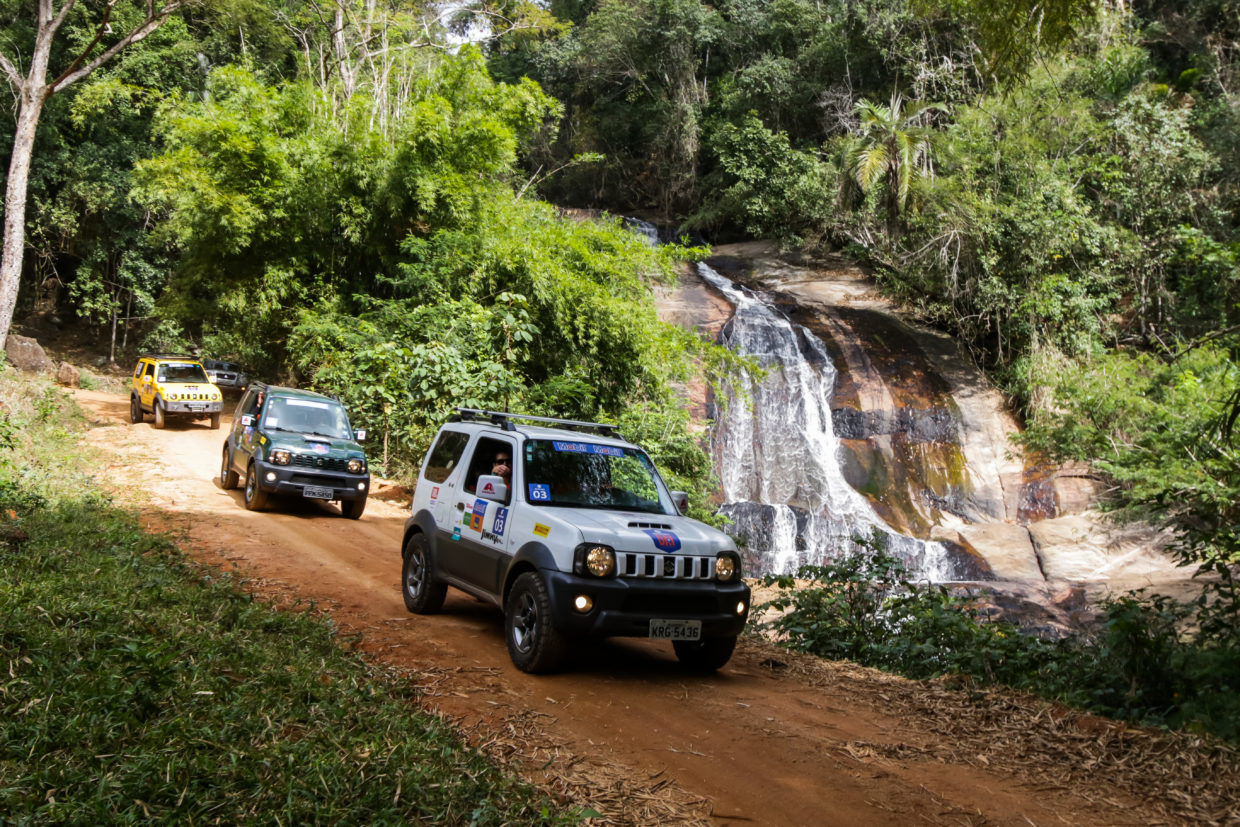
(136, 685)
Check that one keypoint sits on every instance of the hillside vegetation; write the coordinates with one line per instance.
(355, 202)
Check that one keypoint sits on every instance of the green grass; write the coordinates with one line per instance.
(138, 686)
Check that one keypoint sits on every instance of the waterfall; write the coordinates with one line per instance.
(777, 452)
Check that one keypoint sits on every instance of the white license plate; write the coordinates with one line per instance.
(197, 407)
(676, 629)
(317, 493)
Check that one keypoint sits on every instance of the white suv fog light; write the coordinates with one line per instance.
(271, 476)
(583, 603)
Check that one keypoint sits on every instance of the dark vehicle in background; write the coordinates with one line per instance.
(226, 375)
(295, 443)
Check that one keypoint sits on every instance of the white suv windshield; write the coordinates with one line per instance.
(589, 475)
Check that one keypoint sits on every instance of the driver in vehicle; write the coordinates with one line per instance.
(502, 467)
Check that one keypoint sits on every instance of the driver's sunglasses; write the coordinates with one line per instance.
(501, 460)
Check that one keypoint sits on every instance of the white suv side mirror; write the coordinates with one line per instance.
(492, 487)
(681, 500)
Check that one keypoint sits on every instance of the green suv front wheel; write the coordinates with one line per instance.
(255, 498)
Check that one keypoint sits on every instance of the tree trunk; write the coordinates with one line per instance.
(31, 106)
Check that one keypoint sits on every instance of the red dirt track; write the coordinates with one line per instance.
(772, 739)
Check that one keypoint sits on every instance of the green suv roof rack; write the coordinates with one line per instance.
(505, 421)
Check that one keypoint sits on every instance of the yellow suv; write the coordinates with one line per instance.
(175, 386)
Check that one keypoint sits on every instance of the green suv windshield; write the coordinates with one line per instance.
(182, 373)
(307, 416)
(588, 475)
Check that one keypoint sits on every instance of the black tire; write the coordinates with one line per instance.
(704, 655)
(353, 508)
(534, 644)
(228, 477)
(423, 594)
(135, 410)
(255, 498)
(160, 419)
(215, 421)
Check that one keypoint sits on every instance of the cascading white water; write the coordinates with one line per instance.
(778, 455)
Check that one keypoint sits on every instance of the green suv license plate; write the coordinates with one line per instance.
(675, 629)
(317, 493)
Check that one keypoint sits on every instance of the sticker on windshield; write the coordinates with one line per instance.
(665, 540)
(587, 448)
(539, 492)
(306, 403)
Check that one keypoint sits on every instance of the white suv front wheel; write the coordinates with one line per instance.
(534, 644)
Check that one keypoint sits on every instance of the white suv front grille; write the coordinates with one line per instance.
(664, 566)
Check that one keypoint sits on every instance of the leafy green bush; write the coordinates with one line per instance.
(1144, 663)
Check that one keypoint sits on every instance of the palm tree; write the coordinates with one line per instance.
(891, 149)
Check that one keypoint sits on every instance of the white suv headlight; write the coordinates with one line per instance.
(727, 567)
(595, 559)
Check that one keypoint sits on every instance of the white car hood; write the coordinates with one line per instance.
(643, 532)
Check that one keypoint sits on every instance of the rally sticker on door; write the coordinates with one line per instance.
(480, 511)
(665, 540)
(496, 534)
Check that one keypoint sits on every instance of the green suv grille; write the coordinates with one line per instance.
(316, 461)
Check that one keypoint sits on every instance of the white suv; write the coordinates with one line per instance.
(571, 531)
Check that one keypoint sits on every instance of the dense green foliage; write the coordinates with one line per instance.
(138, 687)
(1054, 183)
(1137, 665)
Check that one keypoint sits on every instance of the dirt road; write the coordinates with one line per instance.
(771, 739)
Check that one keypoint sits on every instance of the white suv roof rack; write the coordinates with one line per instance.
(505, 421)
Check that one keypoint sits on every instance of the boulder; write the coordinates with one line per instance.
(68, 375)
(1007, 548)
(1090, 548)
(27, 354)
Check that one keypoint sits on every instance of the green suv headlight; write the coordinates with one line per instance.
(594, 559)
(281, 457)
(357, 466)
(727, 567)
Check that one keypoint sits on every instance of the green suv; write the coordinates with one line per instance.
(295, 443)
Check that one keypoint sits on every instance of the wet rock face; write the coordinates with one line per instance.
(870, 426)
